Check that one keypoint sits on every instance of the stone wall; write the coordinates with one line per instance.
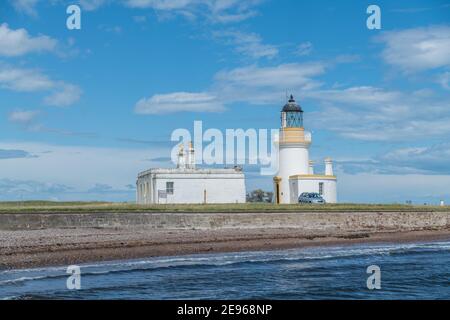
(308, 221)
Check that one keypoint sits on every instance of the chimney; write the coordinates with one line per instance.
(191, 156)
(328, 167)
(311, 167)
(181, 159)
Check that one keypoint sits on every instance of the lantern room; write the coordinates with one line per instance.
(292, 115)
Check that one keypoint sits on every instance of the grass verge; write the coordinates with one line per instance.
(92, 207)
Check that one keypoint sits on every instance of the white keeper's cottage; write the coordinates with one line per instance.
(188, 184)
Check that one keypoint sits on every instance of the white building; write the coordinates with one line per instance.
(296, 172)
(188, 184)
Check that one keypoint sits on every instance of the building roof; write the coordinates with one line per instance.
(292, 106)
(191, 171)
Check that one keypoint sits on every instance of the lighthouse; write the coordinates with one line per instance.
(296, 171)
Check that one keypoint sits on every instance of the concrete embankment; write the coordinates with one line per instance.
(312, 221)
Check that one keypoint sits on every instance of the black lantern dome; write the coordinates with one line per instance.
(292, 106)
(291, 114)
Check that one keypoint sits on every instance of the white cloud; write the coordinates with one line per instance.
(432, 159)
(178, 102)
(417, 49)
(23, 80)
(160, 4)
(428, 160)
(90, 5)
(29, 80)
(23, 116)
(444, 80)
(264, 85)
(14, 189)
(284, 75)
(111, 29)
(249, 44)
(304, 49)
(101, 188)
(364, 95)
(25, 6)
(27, 119)
(65, 95)
(220, 11)
(228, 11)
(19, 42)
(375, 114)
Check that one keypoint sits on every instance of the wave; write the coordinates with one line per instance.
(24, 279)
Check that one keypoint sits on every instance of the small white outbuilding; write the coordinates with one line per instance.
(188, 184)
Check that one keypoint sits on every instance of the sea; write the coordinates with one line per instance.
(363, 271)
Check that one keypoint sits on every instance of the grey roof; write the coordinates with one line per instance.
(292, 106)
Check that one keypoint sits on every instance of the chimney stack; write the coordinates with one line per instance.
(328, 167)
(311, 167)
(191, 156)
(181, 158)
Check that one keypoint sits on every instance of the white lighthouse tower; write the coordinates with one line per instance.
(296, 171)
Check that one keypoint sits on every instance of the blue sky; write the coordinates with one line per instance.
(82, 111)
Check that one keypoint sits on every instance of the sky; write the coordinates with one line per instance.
(83, 111)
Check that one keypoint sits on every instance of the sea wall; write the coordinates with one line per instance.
(313, 221)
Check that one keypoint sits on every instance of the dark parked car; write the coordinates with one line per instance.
(311, 197)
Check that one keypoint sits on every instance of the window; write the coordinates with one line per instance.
(321, 188)
(169, 187)
(294, 119)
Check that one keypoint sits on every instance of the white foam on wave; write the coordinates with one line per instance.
(9, 298)
(21, 279)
